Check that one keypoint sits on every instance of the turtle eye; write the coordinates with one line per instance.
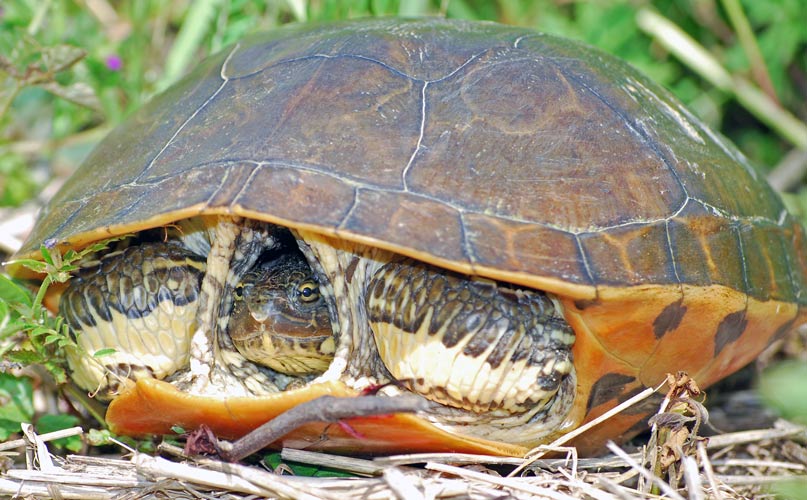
(238, 292)
(308, 291)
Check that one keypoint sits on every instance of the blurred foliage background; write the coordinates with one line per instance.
(72, 69)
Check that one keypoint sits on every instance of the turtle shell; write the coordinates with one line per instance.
(484, 149)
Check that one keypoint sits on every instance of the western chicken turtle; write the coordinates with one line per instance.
(522, 229)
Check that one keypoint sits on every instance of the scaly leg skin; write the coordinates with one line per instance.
(487, 351)
(140, 302)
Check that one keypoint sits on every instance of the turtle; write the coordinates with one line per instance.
(518, 228)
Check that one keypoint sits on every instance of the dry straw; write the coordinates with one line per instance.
(727, 466)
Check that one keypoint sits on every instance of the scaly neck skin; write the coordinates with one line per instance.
(344, 270)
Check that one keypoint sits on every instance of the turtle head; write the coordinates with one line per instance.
(280, 319)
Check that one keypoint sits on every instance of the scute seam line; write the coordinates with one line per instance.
(292, 60)
(634, 127)
(225, 80)
(356, 183)
(356, 190)
(586, 266)
(419, 143)
(743, 263)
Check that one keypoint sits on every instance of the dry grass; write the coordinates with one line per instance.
(727, 466)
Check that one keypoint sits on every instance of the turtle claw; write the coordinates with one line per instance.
(202, 441)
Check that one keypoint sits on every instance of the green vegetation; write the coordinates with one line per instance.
(71, 70)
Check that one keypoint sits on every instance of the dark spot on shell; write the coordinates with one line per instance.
(582, 304)
(644, 407)
(782, 331)
(669, 319)
(608, 387)
(730, 330)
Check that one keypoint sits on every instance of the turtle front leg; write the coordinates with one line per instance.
(469, 343)
(139, 303)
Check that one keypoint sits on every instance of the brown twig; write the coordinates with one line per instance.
(322, 409)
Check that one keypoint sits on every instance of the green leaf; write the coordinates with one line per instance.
(273, 460)
(794, 489)
(782, 388)
(40, 330)
(51, 423)
(23, 357)
(99, 437)
(46, 255)
(79, 93)
(56, 369)
(10, 323)
(14, 293)
(100, 353)
(58, 58)
(32, 264)
(53, 338)
(16, 403)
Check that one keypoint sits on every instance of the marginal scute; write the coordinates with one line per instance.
(632, 254)
(768, 274)
(705, 248)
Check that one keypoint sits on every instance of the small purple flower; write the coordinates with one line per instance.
(114, 62)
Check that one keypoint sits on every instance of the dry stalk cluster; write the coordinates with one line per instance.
(676, 463)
